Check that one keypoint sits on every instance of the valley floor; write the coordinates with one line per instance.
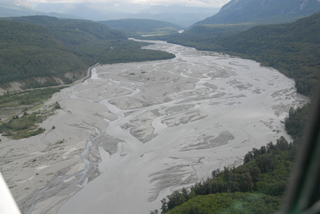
(135, 132)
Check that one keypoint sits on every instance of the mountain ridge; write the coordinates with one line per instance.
(263, 11)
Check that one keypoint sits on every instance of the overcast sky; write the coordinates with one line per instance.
(198, 3)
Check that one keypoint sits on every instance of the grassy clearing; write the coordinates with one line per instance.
(17, 127)
(27, 125)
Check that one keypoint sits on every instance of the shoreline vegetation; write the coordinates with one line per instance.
(29, 112)
(261, 179)
(256, 186)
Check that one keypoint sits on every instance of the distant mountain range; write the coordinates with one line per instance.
(14, 8)
(23, 3)
(184, 16)
(263, 11)
(180, 15)
(140, 27)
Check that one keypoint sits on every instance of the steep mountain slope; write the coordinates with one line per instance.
(142, 26)
(263, 11)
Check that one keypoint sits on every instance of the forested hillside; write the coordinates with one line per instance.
(292, 48)
(134, 27)
(33, 51)
(38, 49)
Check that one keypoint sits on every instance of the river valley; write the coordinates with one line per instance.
(135, 132)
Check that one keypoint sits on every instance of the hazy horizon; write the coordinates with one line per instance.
(186, 3)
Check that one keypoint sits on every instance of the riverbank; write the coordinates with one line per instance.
(135, 132)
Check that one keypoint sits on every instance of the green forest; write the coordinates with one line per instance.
(45, 47)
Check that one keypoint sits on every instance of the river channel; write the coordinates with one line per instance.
(176, 121)
(158, 126)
